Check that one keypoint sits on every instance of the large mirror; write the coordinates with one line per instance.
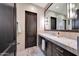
(62, 16)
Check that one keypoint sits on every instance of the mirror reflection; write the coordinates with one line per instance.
(62, 16)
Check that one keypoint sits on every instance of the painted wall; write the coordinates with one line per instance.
(21, 8)
(48, 16)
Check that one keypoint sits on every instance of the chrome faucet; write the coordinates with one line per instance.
(58, 34)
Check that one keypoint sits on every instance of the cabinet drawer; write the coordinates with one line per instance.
(58, 51)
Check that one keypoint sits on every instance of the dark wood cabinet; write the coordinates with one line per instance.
(49, 49)
(59, 51)
(40, 44)
(52, 49)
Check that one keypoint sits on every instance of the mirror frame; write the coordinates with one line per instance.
(56, 30)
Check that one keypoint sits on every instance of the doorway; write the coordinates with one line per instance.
(30, 29)
(53, 23)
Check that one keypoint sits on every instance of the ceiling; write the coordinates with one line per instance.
(59, 8)
(43, 5)
(9, 4)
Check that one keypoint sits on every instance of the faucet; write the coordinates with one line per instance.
(58, 34)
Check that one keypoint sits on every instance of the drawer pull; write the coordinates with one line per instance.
(59, 50)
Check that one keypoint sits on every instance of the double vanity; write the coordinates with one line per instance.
(52, 45)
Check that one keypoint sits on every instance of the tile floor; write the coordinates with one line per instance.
(33, 51)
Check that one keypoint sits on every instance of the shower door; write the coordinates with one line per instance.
(7, 30)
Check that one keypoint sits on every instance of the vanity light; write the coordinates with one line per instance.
(72, 6)
(76, 8)
(70, 10)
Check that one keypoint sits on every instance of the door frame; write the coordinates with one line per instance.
(36, 25)
(15, 28)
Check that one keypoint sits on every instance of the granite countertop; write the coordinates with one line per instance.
(66, 43)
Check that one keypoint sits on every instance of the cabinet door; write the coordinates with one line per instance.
(53, 50)
(57, 51)
(40, 42)
(49, 48)
(41, 46)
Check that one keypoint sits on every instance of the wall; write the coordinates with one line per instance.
(48, 19)
(21, 8)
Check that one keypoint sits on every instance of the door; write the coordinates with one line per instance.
(30, 29)
(64, 24)
(53, 23)
(7, 29)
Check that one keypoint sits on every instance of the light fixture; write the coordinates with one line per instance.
(72, 5)
(70, 12)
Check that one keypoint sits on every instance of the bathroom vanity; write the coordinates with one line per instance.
(58, 18)
(52, 45)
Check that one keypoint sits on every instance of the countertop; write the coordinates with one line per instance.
(66, 43)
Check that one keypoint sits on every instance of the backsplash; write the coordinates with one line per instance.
(71, 35)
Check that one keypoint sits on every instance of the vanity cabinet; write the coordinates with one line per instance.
(52, 49)
(49, 49)
(40, 44)
(59, 51)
